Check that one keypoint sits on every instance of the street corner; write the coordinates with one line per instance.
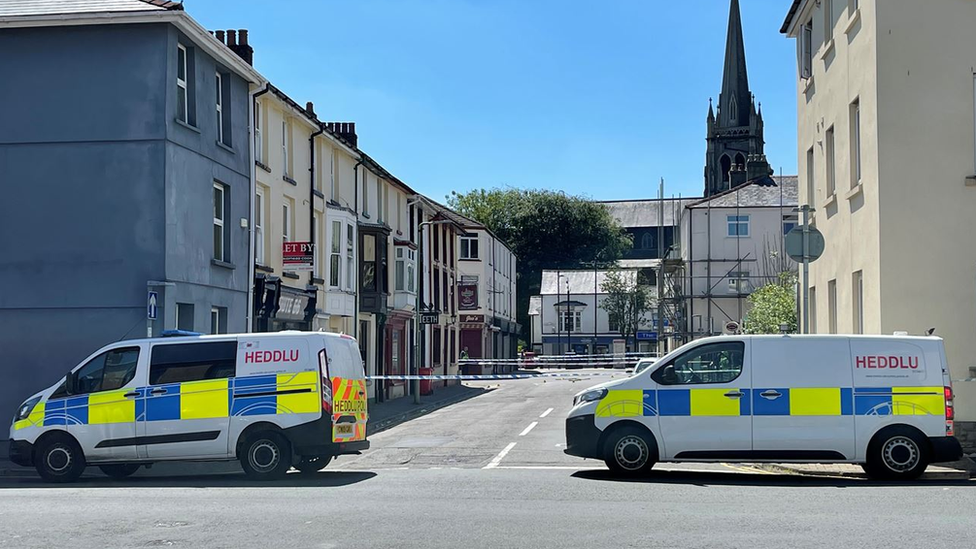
(846, 471)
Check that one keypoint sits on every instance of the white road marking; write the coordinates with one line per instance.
(564, 468)
(529, 428)
(501, 455)
(546, 413)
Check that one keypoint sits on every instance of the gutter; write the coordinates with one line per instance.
(253, 96)
(355, 318)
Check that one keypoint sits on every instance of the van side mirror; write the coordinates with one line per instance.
(668, 376)
(70, 383)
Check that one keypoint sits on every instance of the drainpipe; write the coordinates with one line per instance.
(355, 319)
(311, 193)
(254, 190)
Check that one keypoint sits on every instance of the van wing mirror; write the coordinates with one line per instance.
(70, 382)
(668, 376)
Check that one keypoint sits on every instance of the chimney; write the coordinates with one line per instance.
(220, 36)
(345, 130)
(240, 47)
(310, 109)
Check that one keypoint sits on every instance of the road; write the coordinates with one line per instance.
(488, 472)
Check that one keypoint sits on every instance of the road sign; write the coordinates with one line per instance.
(794, 244)
(646, 336)
(430, 318)
(151, 310)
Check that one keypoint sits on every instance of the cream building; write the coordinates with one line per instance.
(887, 156)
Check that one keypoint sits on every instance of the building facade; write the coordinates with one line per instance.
(138, 148)
(886, 154)
(486, 295)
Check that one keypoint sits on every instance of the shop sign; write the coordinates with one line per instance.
(468, 296)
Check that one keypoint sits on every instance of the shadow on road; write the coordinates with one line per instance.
(734, 478)
(322, 479)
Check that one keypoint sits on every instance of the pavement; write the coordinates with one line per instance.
(490, 472)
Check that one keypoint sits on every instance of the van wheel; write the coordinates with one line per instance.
(119, 470)
(267, 456)
(59, 459)
(897, 453)
(629, 451)
(309, 465)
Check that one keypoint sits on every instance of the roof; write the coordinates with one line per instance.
(647, 213)
(789, 16)
(580, 282)
(766, 192)
(16, 8)
(443, 212)
(638, 263)
(535, 305)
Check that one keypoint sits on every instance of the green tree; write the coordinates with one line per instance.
(773, 305)
(627, 302)
(546, 230)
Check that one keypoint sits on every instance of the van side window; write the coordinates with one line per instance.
(711, 363)
(192, 362)
(106, 372)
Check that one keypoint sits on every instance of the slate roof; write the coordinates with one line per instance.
(647, 213)
(15, 8)
(535, 305)
(775, 191)
(580, 282)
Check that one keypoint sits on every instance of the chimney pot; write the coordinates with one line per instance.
(232, 37)
(310, 108)
(243, 36)
(220, 36)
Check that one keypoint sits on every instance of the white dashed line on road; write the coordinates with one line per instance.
(546, 413)
(529, 428)
(501, 455)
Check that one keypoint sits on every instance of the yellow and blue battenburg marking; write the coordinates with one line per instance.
(792, 401)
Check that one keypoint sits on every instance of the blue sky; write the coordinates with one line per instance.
(594, 98)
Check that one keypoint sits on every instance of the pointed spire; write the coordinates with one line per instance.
(735, 83)
(711, 112)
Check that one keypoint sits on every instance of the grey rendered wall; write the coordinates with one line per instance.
(82, 219)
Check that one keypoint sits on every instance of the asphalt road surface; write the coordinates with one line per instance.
(488, 472)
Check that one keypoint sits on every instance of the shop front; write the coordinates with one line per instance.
(278, 307)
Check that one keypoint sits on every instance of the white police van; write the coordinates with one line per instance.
(884, 402)
(272, 401)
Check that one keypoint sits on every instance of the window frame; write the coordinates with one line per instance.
(856, 168)
(259, 243)
(221, 355)
(214, 321)
(806, 50)
(832, 306)
(830, 153)
(258, 138)
(285, 222)
(466, 247)
(101, 381)
(182, 84)
(335, 255)
(659, 373)
(738, 221)
(351, 275)
(219, 223)
(220, 106)
(857, 288)
(811, 177)
(285, 150)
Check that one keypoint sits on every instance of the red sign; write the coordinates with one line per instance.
(468, 297)
(298, 256)
(887, 362)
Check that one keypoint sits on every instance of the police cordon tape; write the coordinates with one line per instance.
(486, 377)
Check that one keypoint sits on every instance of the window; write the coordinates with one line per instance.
(369, 262)
(220, 108)
(108, 371)
(613, 323)
(218, 320)
(332, 173)
(738, 226)
(813, 310)
(285, 152)
(385, 210)
(806, 50)
(184, 316)
(411, 282)
(855, 143)
(335, 255)
(313, 236)
(436, 294)
(831, 181)
(285, 222)
(182, 96)
(738, 282)
(647, 242)
(436, 231)
(258, 142)
(365, 193)
(832, 306)
(789, 223)
(853, 5)
(400, 272)
(569, 321)
(448, 303)
(469, 247)
(857, 289)
(350, 257)
(828, 13)
(711, 363)
(177, 363)
(259, 226)
(219, 232)
(811, 182)
(733, 109)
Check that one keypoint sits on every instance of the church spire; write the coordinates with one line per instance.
(735, 99)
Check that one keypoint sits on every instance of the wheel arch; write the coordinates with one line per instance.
(44, 437)
(624, 423)
(258, 427)
(893, 428)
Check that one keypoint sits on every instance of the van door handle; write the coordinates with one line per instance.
(771, 395)
(158, 392)
(133, 394)
(734, 394)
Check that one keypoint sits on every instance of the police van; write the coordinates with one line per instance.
(273, 401)
(882, 402)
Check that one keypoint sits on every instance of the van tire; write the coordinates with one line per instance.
(309, 465)
(897, 453)
(119, 470)
(630, 451)
(58, 458)
(266, 456)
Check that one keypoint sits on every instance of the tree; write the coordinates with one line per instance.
(546, 230)
(773, 305)
(627, 301)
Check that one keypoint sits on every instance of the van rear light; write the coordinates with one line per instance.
(950, 429)
(950, 410)
(325, 384)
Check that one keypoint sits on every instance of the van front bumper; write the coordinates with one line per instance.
(22, 453)
(945, 449)
(582, 437)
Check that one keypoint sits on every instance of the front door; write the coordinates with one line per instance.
(702, 402)
(101, 414)
(186, 410)
(802, 400)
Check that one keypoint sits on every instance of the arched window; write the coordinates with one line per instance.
(647, 241)
(733, 110)
(726, 164)
(740, 162)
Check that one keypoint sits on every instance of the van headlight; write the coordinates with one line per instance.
(590, 396)
(26, 408)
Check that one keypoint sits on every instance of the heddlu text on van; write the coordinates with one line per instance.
(892, 362)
